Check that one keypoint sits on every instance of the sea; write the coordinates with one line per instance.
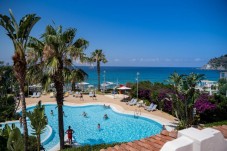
(123, 75)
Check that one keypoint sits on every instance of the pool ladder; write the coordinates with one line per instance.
(137, 113)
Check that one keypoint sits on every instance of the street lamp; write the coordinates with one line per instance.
(137, 79)
(104, 76)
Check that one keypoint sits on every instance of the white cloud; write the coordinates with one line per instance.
(133, 60)
(197, 59)
(116, 60)
(168, 60)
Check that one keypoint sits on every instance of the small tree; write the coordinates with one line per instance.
(38, 122)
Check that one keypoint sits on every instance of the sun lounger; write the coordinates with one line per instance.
(153, 108)
(52, 94)
(33, 95)
(90, 94)
(77, 94)
(133, 102)
(130, 101)
(38, 94)
(140, 103)
(149, 107)
(66, 94)
(70, 92)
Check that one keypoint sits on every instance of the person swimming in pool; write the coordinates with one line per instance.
(99, 127)
(105, 117)
(84, 114)
(51, 112)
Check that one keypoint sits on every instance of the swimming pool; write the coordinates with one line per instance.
(118, 128)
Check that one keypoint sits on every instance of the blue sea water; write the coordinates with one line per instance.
(122, 75)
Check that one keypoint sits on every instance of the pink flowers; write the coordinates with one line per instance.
(203, 104)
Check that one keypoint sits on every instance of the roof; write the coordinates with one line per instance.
(156, 142)
(153, 143)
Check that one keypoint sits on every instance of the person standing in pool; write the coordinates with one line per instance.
(51, 112)
(70, 134)
(99, 127)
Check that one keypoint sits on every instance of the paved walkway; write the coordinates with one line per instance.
(159, 116)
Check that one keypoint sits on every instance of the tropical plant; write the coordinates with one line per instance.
(58, 50)
(76, 75)
(15, 140)
(7, 79)
(98, 56)
(185, 96)
(176, 80)
(19, 34)
(38, 122)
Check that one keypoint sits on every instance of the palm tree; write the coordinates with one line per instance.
(19, 34)
(176, 80)
(185, 86)
(98, 56)
(76, 75)
(38, 121)
(58, 52)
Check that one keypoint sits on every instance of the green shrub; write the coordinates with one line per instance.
(3, 143)
(91, 148)
(216, 123)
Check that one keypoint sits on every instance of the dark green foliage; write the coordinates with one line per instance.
(91, 148)
(223, 89)
(3, 143)
(32, 143)
(7, 108)
(216, 123)
(220, 61)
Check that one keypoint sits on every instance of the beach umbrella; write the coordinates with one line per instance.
(124, 88)
(83, 84)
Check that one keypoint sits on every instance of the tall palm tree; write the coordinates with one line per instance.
(38, 122)
(58, 52)
(98, 56)
(19, 34)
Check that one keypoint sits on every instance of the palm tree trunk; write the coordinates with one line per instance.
(59, 82)
(73, 86)
(98, 71)
(38, 142)
(22, 97)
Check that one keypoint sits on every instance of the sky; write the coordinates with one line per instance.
(149, 33)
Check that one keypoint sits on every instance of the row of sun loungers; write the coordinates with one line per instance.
(36, 94)
(152, 106)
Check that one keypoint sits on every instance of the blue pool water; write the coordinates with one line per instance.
(118, 128)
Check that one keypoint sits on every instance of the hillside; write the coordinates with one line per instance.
(219, 63)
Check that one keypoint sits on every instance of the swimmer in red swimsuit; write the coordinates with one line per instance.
(70, 134)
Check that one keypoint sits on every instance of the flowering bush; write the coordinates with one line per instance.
(145, 94)
(203, 104)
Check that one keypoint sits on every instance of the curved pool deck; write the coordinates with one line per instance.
(114, 107)
(115, 103)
